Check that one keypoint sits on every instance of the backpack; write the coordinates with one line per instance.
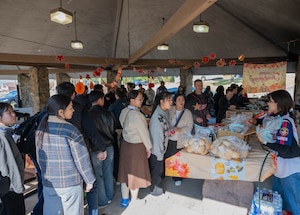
(26, 131)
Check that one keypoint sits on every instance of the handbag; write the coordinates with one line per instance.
(4, 185)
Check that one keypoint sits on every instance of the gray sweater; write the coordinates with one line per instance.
(11, 162)
(159, 126)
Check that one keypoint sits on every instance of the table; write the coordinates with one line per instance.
(189, 165)
(225, 181)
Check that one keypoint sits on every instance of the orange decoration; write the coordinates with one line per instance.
(91, 85)
(220, 63)
(134, 69)
(241, 57)
(67, 66)
(171, 61)
(79, 88)
(205, 59)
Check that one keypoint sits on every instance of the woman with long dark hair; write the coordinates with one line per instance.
(63, 158)
(160, 128)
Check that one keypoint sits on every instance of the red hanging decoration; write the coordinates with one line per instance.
(60, 58)
(171, 61)
(196, 64)
(91, 85)
(205, 59)
(152, 70)
(179, 62)
(212, 56)
(232, 63)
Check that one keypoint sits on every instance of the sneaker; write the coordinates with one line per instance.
(157, 191)
(177, 183)
(125, 202)
(109, 202)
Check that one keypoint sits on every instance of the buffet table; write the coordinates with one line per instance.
(225, 181)
(189, 165)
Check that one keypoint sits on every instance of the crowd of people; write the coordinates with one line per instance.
(89, 142)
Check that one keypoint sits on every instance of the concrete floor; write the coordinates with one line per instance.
(186, 199)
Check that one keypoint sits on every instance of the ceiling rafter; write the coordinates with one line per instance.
(184, 15)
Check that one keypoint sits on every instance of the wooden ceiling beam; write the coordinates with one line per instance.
(52, 61)
(184, 15)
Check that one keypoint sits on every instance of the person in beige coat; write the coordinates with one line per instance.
(182, 122)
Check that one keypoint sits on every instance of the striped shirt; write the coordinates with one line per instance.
(63, 157)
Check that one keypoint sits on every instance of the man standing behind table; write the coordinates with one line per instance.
(196, 102)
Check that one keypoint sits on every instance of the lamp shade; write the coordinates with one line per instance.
(201, 27)
(61, 16)
(77, 44)
(163, 47)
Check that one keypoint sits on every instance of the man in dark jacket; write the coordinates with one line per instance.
(116, 109)
(105, 124)
(83, 121)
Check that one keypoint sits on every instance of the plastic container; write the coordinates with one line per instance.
(268, 202)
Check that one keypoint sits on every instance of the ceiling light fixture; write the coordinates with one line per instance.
(201, 27)
(60, 15)
(163, 46)
(76, 44)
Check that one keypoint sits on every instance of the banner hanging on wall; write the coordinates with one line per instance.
(263, 78)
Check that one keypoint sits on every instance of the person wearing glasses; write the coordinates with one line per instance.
(285, 145)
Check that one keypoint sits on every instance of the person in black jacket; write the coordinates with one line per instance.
(224, 104)
(83, 121)
(105, 124)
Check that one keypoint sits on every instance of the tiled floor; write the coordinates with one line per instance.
(186, 199)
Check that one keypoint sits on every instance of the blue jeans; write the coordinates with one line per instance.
(38, 208)
(104, 176)
(92, 200)
(288, 188)
(67, 200)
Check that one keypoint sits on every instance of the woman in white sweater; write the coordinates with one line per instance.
(182, 122)
(135, 149)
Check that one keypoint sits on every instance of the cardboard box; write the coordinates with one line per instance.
(222, 133)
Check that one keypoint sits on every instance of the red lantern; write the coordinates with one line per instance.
(205, 59)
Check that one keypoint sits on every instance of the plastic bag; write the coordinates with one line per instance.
(230, 147)
(270, 126)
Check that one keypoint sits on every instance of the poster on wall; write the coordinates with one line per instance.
(264, 78)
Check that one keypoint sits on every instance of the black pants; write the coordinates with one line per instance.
(156, 170)
(13, 204)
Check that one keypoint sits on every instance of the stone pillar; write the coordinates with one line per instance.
(186, 80)
(39, 87)
(297, 96)
(111, 75)
(24, 90)
(62, 77)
